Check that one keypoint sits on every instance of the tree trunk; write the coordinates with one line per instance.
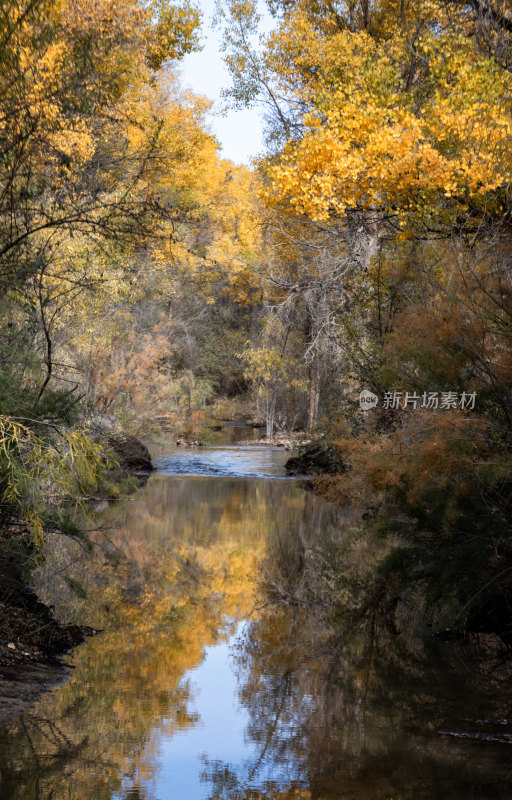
(48, 342)
(271, 410)
(314, 392)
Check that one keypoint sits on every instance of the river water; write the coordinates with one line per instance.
(200, 687)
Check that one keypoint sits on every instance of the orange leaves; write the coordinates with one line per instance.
(425, 452)
(439, 452)
(130, 376)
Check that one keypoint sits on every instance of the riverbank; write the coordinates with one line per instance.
(288, 441)
(32, 641)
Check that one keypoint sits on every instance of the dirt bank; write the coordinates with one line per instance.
(316, 458)
(31, 641)
(133, 456)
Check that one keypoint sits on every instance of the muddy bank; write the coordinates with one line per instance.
(31, 642)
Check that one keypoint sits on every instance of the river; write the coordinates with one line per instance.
(201, 688)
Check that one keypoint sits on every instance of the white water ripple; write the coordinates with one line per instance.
(225, 462)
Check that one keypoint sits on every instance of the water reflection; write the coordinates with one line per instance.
(357, 716)
(171, 566)
(201, 690)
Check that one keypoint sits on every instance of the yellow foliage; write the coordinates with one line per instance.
(395, 122)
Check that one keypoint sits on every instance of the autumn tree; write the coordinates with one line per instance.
(390, 128)
(83, 132)
(87, 129)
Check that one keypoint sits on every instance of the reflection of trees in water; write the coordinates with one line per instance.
(357, 714)
(86, 741)
(226, 785)
(194, 557)
(339, 711)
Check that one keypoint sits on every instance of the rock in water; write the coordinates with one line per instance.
(132, 455)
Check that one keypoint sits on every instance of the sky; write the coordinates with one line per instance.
(239, 132)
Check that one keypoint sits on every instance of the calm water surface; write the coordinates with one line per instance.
(197, 689)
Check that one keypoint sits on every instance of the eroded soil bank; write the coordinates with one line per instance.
(31, 642)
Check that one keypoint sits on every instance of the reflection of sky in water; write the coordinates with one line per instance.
(220, 735)
(244, 462)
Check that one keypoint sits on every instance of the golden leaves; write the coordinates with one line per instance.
(391, 122)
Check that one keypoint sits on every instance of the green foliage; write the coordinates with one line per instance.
(40, 471)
